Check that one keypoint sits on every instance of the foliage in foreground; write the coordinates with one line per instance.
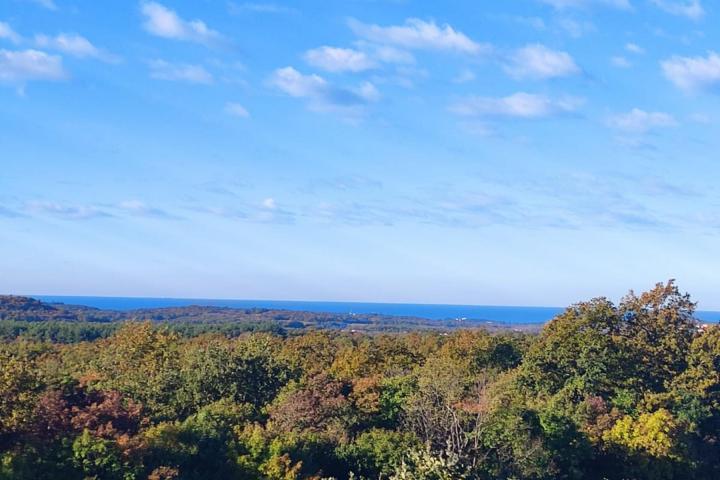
(627, 391)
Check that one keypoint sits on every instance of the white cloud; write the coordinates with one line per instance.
(634, 48)
(518, 105)
(74, 45)
(269, 203)
(693, 73)
(68, 43)
(566, 4)
(387, 54)
(164, 22)
(236, 110)
(419, 34)
(323, 96)
(296, 84)
(7, 33)
(540, 62)
(638, 121)
(334, 59)
(620, 62)
(691, 9)
(21, 66)
(162, 70)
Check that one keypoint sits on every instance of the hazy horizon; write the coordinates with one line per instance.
(79, 298)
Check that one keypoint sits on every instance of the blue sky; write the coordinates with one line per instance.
(533, 152)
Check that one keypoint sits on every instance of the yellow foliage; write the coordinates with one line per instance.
(650, 433)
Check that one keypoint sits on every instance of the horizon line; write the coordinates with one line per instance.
(137, 297)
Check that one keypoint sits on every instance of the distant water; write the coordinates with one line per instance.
(430, 311)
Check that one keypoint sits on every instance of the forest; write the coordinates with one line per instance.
(61, 323)
(606, 390)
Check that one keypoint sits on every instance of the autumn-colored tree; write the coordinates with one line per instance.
(604, 392)
(318, 405)
(19, 387)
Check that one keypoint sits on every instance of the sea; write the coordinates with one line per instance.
(500, 314)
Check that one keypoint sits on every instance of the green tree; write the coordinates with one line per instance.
(99, 459)
(658, 328)
(142, 362)
(246, 371)
(377, 453)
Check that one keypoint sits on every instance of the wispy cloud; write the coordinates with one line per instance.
(166, 23)
(333, 59)
(49, 4)
(67, 212)
(634, 48)
(404, 76)
(580, 201)
(74, 45)
(323, 96)
(575, 28)
(533, 22)
(537, 61)
(519, 105)
(387, 53)
(138, 208)
(342, 183)
(566, 4)
(26, 65)
(236, 110)
(634, 128)
(693, 73)
(691, 9)
(267, 210)
(7, 33)
(620, 62)
(270, 211)
(700, 118)
(571, 201)
(272, 8)
(479, 128)
(162, 70)
(421, 35)
(638, 121)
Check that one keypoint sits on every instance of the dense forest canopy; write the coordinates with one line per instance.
(604, 391)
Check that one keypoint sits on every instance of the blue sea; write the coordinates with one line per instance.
(502, 314)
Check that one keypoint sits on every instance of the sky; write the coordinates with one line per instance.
(524, 152)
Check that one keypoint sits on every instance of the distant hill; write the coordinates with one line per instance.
(31, 310)
(26, 309)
